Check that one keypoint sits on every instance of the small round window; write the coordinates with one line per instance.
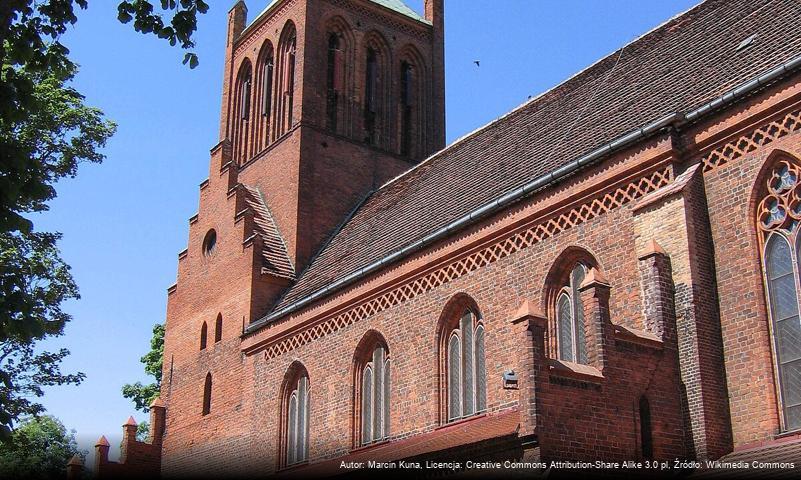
(210, 243)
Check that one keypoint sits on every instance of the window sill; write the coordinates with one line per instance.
(575, 371)
(294, 466)
(787, 434)
(362, 448)
(460, 421)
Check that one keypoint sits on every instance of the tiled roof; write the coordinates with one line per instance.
(400, 7)
(682, 64)
(275, 258)
(479, 429)
(742, 463)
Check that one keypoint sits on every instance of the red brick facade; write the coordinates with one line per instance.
(672, 303)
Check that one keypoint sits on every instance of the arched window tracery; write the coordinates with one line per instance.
(778, 218)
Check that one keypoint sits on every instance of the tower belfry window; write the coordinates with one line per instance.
(267, 87)
(406, 108)
(289, 92)
(370, 94)
(246, 98)
(334, 80)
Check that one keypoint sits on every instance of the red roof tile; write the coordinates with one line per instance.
(746, 463)
(274, 253)
(681, 65)
(463, 433)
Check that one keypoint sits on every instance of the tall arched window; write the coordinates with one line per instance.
(286, 88)
(570, 318)
(207, 395)
(241, 135)
(406, 106)
(218, 328)
(377, 91)
(465, 367)
(334, 80)
(263, 96)
(204, 334)
(371, 96)
(372, 390)
(779, 214)
(295, 431)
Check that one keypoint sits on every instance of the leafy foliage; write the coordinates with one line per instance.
(46, 131)
(40, 448)
(180, 29)
(58, 132)
(143, 395)
(34, 281)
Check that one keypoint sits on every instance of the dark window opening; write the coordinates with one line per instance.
(406, 108)
(209, 243)
(370, 90)
(334, 80)
(207, 395)
(290, 80)
(267, 87)
(646, 436)
(246, 99)
(218, 329)
(204, 331)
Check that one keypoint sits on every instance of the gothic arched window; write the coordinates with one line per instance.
(204, 334)
(218, 328)
(207, 395)
(570, 318)
(465, 368)
(286, 89)
(241, 116)
(778, 218)
(406, 106)
(334, 80)
(373, 391)
(264, 95)
(295, 441)
(371, 95)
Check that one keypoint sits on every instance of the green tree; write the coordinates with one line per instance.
(40, 448)
(46, 131)
(143, 395)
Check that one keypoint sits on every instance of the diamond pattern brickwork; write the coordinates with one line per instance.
(506, 246)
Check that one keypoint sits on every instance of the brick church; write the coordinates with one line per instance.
(610, 271)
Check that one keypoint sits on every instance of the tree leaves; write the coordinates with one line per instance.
(46, 132)
(143, 395)
(178, 29)
(34, 282)
(40, 448)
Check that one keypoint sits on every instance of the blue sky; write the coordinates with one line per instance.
(125, 221)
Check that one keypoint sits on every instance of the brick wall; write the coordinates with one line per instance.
(676, 314)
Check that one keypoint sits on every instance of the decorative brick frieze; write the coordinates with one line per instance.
(502, 248)
(753, 140)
